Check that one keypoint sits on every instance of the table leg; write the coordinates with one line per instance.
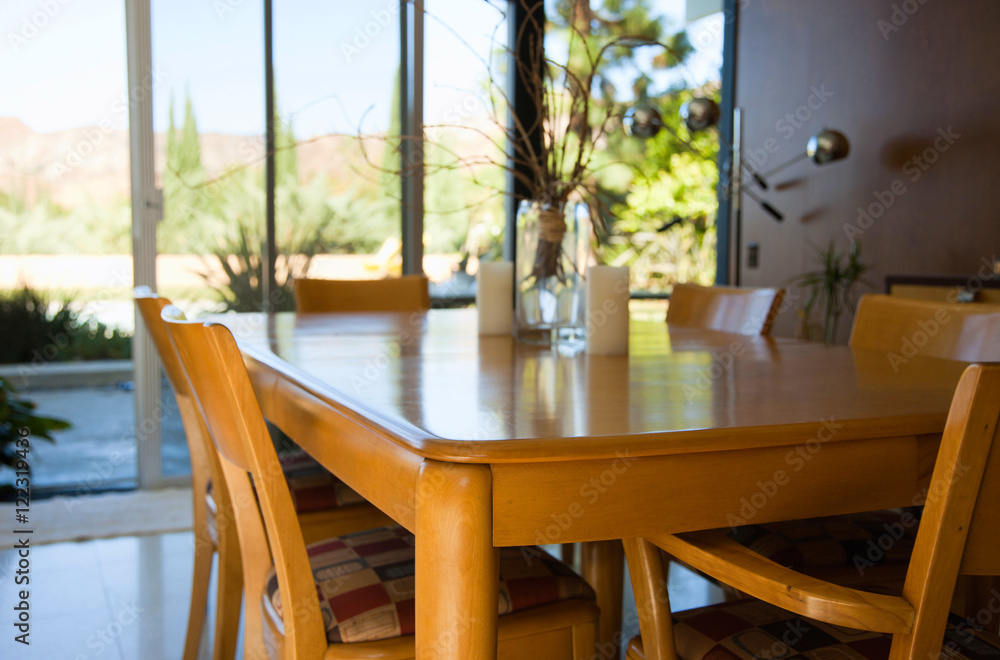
(602, 564)
(457, 570)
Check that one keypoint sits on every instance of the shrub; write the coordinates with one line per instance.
(34, 329)
(15, 414)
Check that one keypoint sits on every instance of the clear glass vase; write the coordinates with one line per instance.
(553, 249)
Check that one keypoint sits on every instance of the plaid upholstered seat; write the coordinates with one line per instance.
(752, 630)
(365, 583)
(312, 486)
(861, 540)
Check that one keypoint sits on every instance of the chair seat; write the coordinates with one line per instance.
(752, 629)
(312, 486)
(861, 540)
(365, 582)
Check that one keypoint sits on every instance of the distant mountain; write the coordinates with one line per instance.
(90, 164)
(73, 166)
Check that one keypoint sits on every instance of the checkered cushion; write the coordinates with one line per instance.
(861, 540)
(752, 629)
(365, 583)
(312, 486)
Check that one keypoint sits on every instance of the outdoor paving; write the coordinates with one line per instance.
(99, 451)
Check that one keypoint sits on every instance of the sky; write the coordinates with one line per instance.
(63, 65)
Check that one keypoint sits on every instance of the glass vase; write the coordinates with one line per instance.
(553, 249)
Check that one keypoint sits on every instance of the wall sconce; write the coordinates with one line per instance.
(645, 121)
(642, 121)
(699, 114)
(827, 146)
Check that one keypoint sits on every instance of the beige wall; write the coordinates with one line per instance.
(895, 93)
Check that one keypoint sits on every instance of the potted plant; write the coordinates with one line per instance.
(829, 291)
(554, 153)
(17, 415)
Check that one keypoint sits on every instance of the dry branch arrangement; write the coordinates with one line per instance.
(552, 156)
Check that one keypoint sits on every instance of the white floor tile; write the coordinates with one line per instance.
(127, 598)
(84, 634)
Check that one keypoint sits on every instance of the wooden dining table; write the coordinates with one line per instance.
(479, 442)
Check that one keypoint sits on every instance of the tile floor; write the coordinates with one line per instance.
(112, 599)
(126, 598)
(99, 450)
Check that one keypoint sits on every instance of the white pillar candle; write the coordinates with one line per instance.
(607, 310)
(495, 297)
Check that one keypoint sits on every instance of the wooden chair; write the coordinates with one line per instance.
(728, 309)
(409, 293)
(969, 332)
(959, 534)
(214, 531)
(276, 559)
(725, 308)
(900, 328)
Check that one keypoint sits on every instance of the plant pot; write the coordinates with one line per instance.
(553, 249)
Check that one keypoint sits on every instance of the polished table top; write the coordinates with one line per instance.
(477, 442)
(433, 385)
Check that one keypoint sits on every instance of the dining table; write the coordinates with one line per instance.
(479, 442)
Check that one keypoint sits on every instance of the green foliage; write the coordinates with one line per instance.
(27, 326)
(17, 413)
(648, 182)
(829, 290)
(642, 183)
(225, 218)
(36, 330)
(239, 255)
(94, 340)
(44, 227)
(188, 202)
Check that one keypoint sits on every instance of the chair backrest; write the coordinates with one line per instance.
(961, 331)
(960, 529)
(204, 462)
(981, 556)
(725, 308)
(958, 533)
(409, 293)
(221, 385)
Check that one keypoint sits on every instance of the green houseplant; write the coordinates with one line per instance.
(16, 414)
(829, 291)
